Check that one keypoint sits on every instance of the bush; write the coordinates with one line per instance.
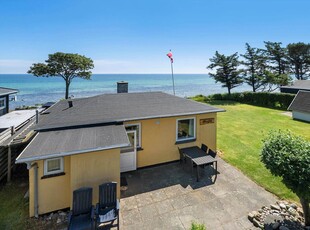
(288, 156)
(264, 99)
(196, 226)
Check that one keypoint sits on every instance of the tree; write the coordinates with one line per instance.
(65, 65)
(288, 156)
(277, 57)
(274, 81)
(277, 66)
(299, 59)
(255, 67)
(226, 70)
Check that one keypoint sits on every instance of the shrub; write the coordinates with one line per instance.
(264, 99)
(288, 156)
(196, 226)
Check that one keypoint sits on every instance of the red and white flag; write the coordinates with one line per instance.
(170, 56)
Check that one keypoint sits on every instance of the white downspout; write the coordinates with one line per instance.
(35, 189)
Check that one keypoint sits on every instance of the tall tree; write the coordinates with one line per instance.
(277, 73)
(255, 67)
(288, 156)
(299, 59)
(226, 70)
(277, 57)
(65, 65)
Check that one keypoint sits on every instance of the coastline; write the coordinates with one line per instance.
(38, 90)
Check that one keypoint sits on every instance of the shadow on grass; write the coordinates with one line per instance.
(204, 99)
(222, 102)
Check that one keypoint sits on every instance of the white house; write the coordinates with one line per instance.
(300, 106)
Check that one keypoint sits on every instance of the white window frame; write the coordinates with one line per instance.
(136, 124)
(177, 129)
(57, 171)
(4, 103)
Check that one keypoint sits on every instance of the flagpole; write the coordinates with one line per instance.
(172, 77)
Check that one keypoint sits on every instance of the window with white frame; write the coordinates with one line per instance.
(53, 166)
(137, 128)
(186, 129)
(2, 103)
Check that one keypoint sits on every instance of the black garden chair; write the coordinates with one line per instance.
(107, 210)
(81, 217)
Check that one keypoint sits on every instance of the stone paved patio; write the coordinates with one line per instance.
(168, 197)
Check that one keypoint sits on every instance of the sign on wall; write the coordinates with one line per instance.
(206, 121)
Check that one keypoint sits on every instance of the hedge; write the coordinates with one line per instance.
(264, 99)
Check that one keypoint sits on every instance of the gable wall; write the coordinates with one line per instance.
(81, 170)
(158, 138)
(301, 116)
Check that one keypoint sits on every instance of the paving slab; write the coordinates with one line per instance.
(168, 197)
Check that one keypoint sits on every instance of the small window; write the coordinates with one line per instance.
(186, 129)
(53, 166)
(137, 128)
(2, 103)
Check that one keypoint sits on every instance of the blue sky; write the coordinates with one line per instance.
(134, 36)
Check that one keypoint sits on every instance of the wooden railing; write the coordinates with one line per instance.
(9, 150)
(6, 134)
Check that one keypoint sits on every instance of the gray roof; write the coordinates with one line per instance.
(52, 144)
(16, 118)
(299, 84)
(301, 102)
(109, 108)
(7, 91)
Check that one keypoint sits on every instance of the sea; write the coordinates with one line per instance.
(39, 90)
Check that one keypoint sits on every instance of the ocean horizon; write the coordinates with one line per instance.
(39, 90)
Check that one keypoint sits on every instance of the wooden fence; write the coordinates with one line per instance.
(13, 137)
(15, 151)
(6, 134)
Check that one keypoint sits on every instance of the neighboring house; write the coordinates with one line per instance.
(5, 100)
(300, 106)
(296, 86)
(89, 141)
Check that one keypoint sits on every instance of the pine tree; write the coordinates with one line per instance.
(226, 70)
(255, 67)
(299, 59)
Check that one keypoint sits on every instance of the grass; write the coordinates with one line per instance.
(14, 208)
(196, 226)
(239, 137)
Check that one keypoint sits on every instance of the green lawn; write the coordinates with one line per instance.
(240, 132)
(14, 208)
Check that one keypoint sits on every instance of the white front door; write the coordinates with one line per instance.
(128, 154)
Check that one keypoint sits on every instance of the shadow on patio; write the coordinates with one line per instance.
(163, 176)
(168, 197)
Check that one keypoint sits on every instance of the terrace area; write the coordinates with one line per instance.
(168, 197)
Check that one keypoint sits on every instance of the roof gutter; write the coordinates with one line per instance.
(171, 115)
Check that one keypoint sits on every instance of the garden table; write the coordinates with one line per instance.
(199, 157)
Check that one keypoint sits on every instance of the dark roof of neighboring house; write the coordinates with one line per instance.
(59, 143)
(299, 84)
(301, 102)
(7, 91)
(48, 104)
(112, 108)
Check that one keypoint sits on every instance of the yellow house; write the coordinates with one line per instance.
(89, 141)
